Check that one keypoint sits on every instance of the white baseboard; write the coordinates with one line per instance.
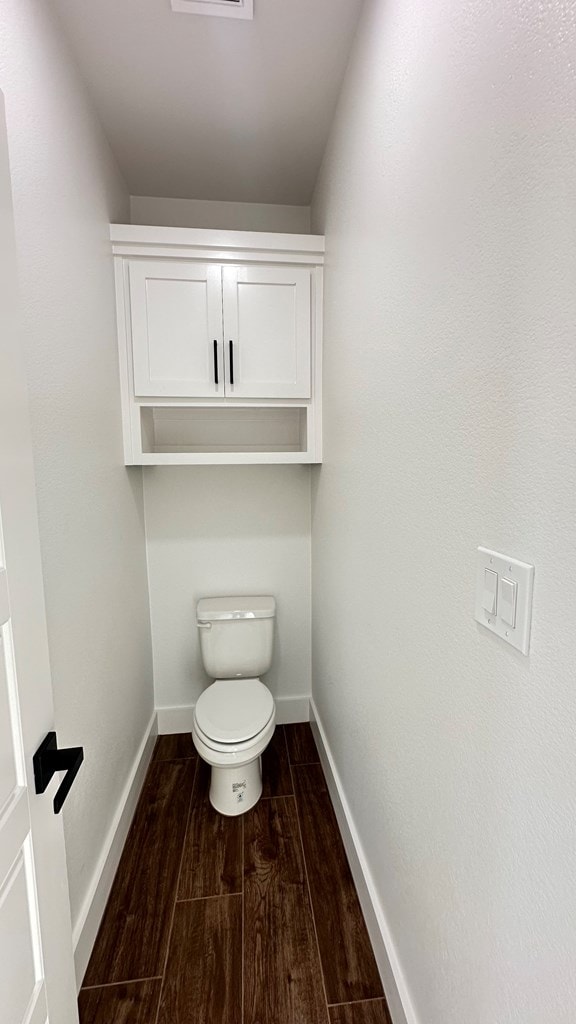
(179, 719)
(397, 992)
(292, 709)
(86, 927)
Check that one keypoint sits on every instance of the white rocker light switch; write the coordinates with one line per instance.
(490, 597)
(504, 597)
(507, 601)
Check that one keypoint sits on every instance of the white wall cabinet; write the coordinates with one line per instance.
(176, 313)
(220, 340)
(267, 331)
(200, 330)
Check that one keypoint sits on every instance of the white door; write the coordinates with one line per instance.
(176, 311)
(36, 965)
(267, 331)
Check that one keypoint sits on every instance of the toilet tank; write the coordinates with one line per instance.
(236, 635)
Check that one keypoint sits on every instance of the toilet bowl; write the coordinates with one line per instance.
(235, 716)
(225, 715)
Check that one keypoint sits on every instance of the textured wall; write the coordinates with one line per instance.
(66, 189)
(198, 213)
(227, 530)
(449, 204)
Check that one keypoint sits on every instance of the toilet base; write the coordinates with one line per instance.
(236, 778)
(235, 790)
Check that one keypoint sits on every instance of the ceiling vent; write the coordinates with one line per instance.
(219, 8)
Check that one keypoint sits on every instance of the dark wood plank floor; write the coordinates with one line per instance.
(282, 975)
(301, 745)
(350, 971)
(247, 920)
(203, 980)
(212, 861)
(175, 747)
(133, 1003)
(133, 939)
(373, 1012)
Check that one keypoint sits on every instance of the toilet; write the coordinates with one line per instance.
(235, 717)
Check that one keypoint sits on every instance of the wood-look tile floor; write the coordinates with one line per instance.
(247, 920)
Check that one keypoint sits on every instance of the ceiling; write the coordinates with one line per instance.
(214, 108)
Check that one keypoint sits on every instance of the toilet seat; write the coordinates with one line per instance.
(232, 755)
(231, 713)
(224, 752)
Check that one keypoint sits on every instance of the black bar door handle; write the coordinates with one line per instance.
(231, 350)
(215, 361)
(48, 759)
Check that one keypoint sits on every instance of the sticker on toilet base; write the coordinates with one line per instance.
(238, 788)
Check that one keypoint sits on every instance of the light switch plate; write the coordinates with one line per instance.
(518, 572)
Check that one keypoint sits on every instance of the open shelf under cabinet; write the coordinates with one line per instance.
(196, 435)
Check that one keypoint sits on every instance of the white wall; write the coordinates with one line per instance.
(66, 189)
(216, 530)
(447, 197)
(200, 213)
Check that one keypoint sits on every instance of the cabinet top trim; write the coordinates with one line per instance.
(135, 239)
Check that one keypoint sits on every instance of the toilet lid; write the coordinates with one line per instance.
(234, 710)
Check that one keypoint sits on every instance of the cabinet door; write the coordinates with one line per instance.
(267, 331)
(176, 313)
